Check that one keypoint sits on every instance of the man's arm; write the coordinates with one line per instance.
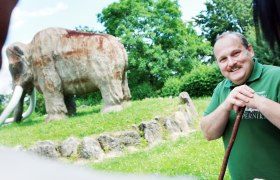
(267, 107)
(213, 125)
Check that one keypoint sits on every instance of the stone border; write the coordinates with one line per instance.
(113, 144)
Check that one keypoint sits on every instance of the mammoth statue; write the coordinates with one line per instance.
(62, 63)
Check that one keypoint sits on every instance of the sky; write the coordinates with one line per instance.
(31, 16)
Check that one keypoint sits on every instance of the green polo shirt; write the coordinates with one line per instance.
(256, 151)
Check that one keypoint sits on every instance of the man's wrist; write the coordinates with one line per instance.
(225, 107)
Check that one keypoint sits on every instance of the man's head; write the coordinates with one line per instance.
(234, 56)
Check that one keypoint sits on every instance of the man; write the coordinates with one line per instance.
(256, 152)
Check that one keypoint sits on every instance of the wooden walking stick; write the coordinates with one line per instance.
(231, 141)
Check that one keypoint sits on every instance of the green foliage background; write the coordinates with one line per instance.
(159, 44)
(166, 54)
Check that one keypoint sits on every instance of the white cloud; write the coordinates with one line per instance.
(21, 15)
(48, 11)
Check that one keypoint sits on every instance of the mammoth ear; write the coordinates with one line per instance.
(17, 49)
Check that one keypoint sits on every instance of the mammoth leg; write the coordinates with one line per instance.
(126, 92)
(125, 88)
(70, 102)
(112, 96)
(50, 83)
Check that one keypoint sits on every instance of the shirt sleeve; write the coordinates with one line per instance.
(214, 103)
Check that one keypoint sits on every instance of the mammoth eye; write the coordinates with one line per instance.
(18, 51)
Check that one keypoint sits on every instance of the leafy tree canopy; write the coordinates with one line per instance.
(262, 50)
(159, 44)
(224, 15)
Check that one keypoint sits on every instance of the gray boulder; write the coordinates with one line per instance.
(109, 143)
(152, 131)
(90, 149)
(45, 148)
(69, 147)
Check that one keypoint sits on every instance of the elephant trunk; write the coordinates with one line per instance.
(12, 104)
(19, 109)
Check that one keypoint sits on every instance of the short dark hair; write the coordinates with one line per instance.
(239, 35)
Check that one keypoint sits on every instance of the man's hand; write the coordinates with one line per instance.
(239, 97)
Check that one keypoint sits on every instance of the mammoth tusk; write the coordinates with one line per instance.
(12, 104)
(32, 105)
(30, 109)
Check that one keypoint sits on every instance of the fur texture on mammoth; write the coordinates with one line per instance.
(62, 63)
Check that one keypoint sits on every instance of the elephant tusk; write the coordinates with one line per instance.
(30, 109)
(32, 105)
(12, 104)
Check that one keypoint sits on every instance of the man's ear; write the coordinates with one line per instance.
(250, 51)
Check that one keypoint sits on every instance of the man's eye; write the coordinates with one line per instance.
(236, 54)
(222, 60)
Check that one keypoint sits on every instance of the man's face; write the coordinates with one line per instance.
(234, 60)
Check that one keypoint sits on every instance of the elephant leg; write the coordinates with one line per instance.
(112, 96)
(55, 106)
(70, 102)
(125, 88)
(52, 90)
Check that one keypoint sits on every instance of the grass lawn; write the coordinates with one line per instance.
(87, 122)
(191, 155)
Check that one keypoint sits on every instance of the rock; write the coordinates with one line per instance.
(182, 120)
(90, 148)
(128, 138)
(152, 131)
(171, 126)
(185, 98)
(109, 143)
(69, 147)
(46, 149)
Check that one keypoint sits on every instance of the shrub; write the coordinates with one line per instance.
(87, 99)
(202, 80)
(172, 87)
(40, 104)
(90, 99)
(142, 91)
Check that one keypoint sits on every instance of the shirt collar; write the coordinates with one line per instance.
(256, 74)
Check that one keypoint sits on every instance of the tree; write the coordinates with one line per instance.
(2, 99)
(224, 15)
(159, 44)
(263, 51)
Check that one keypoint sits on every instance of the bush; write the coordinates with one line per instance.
(40, 104)
(142, 91)
(90, 99)
(202, 80)
(172, 87)
(87, 99)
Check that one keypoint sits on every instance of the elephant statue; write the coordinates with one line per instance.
(62, 63)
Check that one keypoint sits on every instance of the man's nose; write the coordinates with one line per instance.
(231, 61)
